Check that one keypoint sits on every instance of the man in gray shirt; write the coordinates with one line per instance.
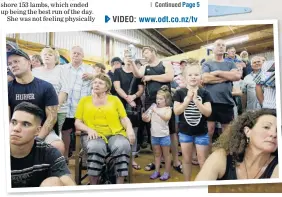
(218, 76)
(249, 99)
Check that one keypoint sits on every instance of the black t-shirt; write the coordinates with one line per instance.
(111, 75)
(38, 92)
(192, 122)
(152, 87)
(42, 162)
(125, 81)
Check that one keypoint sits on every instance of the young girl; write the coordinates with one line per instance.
(160, 137)
(193, 106)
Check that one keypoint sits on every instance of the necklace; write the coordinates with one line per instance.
(258, 171)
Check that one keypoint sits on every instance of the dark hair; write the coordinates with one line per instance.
(231, 47)
(234, 140)
(31, 109)
(116, 59)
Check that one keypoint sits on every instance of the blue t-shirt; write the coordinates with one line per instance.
(38, 92)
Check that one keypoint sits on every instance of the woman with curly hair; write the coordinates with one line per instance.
(246, 150)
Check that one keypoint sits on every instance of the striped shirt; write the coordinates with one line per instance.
(249, 88)
(269, 90)
(42, 162)
(78, 87)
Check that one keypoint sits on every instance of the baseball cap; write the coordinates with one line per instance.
(116, 59)
(18, 52)
(11, 45)
(183, 61)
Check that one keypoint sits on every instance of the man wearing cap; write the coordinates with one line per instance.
(28, 88)
(116, 63)
(156, 74)
(9, 46)
(34, 163)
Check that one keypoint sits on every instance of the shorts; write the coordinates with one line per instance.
(68, 124)
(162, 141)
(51, 137)
(221, 113)
(203, 140)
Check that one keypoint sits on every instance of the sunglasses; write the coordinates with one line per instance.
(49, 47)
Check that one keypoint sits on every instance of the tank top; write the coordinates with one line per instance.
(159, 127)
(152, 87)
(230, 172)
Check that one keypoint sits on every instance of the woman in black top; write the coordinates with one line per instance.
(246, 150)
(129, 89)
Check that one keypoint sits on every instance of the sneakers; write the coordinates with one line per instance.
(156, 175)
(165, 176)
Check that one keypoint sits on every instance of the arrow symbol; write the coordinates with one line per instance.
(107, 18)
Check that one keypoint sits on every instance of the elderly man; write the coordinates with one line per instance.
(80, 77)
(249, 98)
(218, 76)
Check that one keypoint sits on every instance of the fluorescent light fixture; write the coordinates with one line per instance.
(231, 41)
(121, 37)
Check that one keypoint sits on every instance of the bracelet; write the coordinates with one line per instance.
(135, 95)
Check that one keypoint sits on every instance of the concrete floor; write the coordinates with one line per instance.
(142, 176)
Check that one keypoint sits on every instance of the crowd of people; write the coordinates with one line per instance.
(49, 101)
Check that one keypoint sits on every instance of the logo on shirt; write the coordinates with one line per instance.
(192, 114)
(24, 97)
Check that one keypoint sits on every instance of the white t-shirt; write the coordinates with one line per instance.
(159, 127)
(57, 78)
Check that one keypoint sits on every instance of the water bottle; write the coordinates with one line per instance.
(150, 109)
(132, 51)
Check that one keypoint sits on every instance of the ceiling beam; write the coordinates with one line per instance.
(161, 39)
(194, 33)
(241, 33)
(254, 43)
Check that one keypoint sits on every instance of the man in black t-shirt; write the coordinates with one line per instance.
(156, 74)
(34, 163)
(116, 63)
(25, 87)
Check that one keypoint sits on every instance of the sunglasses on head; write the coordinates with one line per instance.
(49, 47)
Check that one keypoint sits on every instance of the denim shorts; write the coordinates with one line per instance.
(200, 140)
(162, 141)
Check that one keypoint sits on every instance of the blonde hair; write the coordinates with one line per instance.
(106, 79)
(191, 63)
(164, 91)
(54, 52)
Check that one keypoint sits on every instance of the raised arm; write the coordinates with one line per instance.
(214, 167)
(138, 73)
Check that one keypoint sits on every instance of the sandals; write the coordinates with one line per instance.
(136, 167)
(150, 167)
(155, 175)
(165, 176)
(178, 168)
(195, 162)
